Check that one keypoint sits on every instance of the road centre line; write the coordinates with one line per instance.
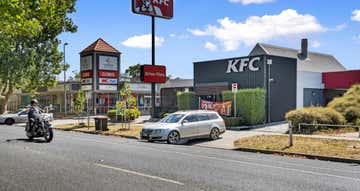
(140, 174)
(248, 158)
(276, 167)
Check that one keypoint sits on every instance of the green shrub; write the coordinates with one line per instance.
(131, 114)
(314, 115)
(349, 104)
(111, 113)
(187, 100)
(250, 104)
(232, 121)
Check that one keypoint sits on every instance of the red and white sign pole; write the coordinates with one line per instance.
(234, 88)
(162, 9)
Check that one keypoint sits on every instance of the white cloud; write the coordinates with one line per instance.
(142, 41)
(210, 46)
(197, 32)
(315, 44)
(356, 15)
(340, 27)
(247, 2)
(172, 35)
(256, 29)
(357, 38)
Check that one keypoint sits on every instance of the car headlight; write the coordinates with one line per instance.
(158, 131)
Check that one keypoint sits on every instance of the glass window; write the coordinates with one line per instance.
(191, 118)
(23, 113)
(172, 118)
(213, 116)
(202, 117)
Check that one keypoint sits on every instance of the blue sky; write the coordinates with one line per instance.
(204, 30)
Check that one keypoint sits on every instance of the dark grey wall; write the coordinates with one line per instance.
(283, 88)
(282, 97)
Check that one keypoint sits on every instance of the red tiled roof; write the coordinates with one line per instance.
(100, 45)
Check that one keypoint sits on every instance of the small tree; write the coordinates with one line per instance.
(127, 104)
(79, 103)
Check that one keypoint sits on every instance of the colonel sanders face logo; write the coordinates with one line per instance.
(147, 7)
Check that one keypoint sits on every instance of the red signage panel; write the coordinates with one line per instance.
(87, 74)
(157, 8)
(153, 74)
(108, 74)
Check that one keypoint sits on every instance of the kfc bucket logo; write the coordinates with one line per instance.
(157, 8)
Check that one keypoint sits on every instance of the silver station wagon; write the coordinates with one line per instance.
(185, 125)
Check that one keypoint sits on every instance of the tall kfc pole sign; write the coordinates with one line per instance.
(154, 8)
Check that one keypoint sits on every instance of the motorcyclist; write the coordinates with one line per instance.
(34, 113)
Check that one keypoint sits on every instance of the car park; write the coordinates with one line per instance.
(19, 116)
(185, 125)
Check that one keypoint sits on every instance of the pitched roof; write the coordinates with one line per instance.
(316, 62)
(100, 45)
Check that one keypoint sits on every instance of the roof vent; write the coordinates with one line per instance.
(303, 55)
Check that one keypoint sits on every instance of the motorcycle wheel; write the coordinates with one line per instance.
(49, 136)
(30, 137)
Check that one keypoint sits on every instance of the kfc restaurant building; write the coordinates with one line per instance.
(289, 82)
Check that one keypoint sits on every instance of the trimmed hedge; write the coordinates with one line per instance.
(187, 100)
(111, 113)
(349, 104)
(131, 114)
(314, 115)
(232, 121)
(250, 104)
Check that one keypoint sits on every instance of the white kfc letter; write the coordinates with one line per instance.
(251, 64)
(243, 64)
(232, 66)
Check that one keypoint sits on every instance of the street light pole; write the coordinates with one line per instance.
(65, 44)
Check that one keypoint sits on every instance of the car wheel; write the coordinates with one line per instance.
(9, 121)
(214, 133)
(173, 138)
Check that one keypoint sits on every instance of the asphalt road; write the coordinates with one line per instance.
(75, 161)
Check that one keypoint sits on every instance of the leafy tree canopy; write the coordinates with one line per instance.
(29, 54)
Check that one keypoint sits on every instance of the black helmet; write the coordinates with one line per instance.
(34, 101)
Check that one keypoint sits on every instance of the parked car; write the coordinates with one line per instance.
(185, 125)
(20, 116)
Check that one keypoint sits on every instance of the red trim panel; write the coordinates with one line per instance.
(340, 80)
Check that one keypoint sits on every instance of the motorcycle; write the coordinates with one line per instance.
(40, 128)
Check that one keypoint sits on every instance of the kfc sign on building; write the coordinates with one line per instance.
(241, 64)
(157, 8)
(153, 74)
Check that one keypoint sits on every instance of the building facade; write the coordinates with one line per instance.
(289, 82)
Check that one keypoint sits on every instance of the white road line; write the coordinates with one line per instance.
(140, 174)
(276, 167)
(199, 155)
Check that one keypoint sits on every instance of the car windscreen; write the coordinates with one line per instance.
(172, 118)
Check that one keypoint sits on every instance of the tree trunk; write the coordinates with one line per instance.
(3, 104)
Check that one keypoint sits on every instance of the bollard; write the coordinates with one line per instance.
(290, 134)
